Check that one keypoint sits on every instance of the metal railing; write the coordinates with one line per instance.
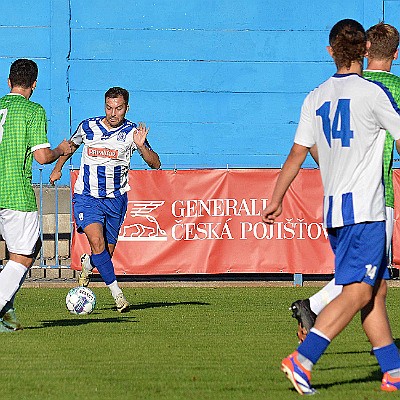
(49, 255)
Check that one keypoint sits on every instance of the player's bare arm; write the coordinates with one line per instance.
(398, 146)
(56, 174)
(139, 137)
(47, 155)
(314, 153)
(289, 171)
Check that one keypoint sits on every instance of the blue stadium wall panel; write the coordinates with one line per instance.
(219, 83)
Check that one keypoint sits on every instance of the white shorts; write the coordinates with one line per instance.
(20, 230)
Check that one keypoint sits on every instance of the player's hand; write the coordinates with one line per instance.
(66, 147)
(55, 176)
(271, 212)
(140, 134)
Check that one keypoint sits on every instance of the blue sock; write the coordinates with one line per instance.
(104, 265)
(313, 347)
(388, 357)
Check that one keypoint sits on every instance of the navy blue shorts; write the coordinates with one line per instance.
(360, 252)
(109, 212)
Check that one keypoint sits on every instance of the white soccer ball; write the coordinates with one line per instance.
(80, 300)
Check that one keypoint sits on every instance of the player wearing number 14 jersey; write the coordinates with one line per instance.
(346, 118)
(382, 52)
(346, 112)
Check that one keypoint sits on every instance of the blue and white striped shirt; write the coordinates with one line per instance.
(105, 157)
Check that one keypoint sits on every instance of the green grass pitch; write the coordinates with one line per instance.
(177, 343)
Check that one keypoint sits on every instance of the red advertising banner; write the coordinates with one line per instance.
(208, 222)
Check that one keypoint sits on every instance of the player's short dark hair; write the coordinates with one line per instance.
(348, 41)
(384, 39)
(23, 73)
(116, 91)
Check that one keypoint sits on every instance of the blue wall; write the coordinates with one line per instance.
(219, 82)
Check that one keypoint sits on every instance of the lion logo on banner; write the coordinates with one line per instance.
(139, 224)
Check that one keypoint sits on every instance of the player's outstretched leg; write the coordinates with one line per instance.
(87, 268)
(301, 310)
(298, 375)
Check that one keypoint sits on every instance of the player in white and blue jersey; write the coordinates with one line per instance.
(346, 118)
(383, 48)
(100, 193)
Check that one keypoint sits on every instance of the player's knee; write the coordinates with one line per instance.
(381, 290)
(363, 297)
(97, 245)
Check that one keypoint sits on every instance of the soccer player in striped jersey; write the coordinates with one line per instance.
(382, 43)
(23, 136)
(100, 193)
(346, 118)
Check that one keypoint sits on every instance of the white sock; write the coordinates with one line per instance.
(115, 289)
(11, 279)
(305, 362)
(395, 373)
(322, 298)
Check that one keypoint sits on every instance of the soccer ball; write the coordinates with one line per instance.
(80, 300)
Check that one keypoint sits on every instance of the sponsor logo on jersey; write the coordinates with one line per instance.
(102, 152)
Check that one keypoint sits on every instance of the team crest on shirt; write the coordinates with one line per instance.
(121, 137)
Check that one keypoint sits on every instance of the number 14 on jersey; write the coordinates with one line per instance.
(340, 127)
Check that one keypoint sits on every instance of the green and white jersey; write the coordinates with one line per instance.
(392, 82)
(22, 131)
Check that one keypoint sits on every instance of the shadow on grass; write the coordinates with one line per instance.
(366, 351)
(83, 320)
(144, 306)
(374, 376)
(79, 320)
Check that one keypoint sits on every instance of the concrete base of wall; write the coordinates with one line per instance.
(52, 273)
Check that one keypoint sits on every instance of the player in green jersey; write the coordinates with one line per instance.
(383, 49)
(22, 137)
